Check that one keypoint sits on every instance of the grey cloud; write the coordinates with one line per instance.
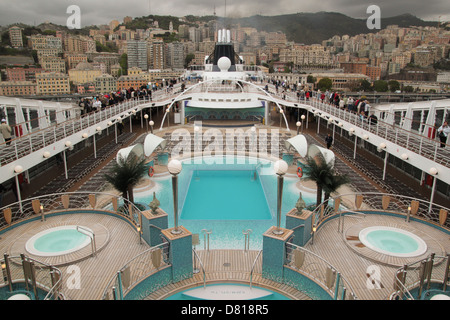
(102, 12)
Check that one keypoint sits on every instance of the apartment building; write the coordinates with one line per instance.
(105, 83)
(157, 50)
(17, 88)
(84, 73)
(15, 37)
(53, 64)
(137, 54)
(52, 83)
(134, 81)
(73, 59)
(175, 55)
(22, 74)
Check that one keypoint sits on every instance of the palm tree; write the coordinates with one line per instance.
(324, 176)
(320, 172)
(334, 183)
(126, 173)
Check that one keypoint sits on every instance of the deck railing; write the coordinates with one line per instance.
(68, 202)
(413, 280)
(404, 206)
(135, 271)
(415, 141)
(33, 274)
(320, 271)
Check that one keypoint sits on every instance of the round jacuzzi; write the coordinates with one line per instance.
(57, 241)
(392, 241)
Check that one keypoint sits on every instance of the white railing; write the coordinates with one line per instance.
(69, 202)
(135, 271)
(404, 206)
(412, 140)
(410, 281)
(43, 276)
(320, 271)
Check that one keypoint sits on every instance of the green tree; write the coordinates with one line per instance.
(334, 182)
(188, 59)
(365, 85)
(319, 172)
(126, 173)
(123, 61)
(325, 177)
(380, 86)
(310, 79)
(408, 89)
(394, 85)
(325, 84)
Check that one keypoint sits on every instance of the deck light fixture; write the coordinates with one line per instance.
(174, 168)
(280, 168)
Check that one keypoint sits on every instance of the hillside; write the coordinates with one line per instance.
(309, 28)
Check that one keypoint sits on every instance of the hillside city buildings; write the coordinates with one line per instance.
(113, 56)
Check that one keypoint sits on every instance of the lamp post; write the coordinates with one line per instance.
(69, 146)
(280, 168)
(253, 147)
(99, 132)
(299, 124)
(168, 116)
(196, 135)
(146, 122)
(18, 170)
(433, 171)
(174, 168)
(351, 132)
(42, 213)
(303, 118)
(151, 123)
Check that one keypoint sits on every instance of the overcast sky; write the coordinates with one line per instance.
(34, 12)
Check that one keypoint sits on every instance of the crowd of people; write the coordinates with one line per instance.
(100, 102)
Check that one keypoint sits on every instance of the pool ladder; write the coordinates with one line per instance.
(91, 235)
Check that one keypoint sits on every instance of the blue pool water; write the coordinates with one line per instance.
(57, 241)
(224, 195)
(225, 198)
(392, 241)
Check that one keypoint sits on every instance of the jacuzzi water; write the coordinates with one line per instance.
(57, 241)
(226, 197)
(392, 241)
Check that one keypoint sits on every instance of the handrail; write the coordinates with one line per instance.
(253, 267)
(398, 203)
(50, 280)
(136, 272)
(317, 274)
(416, 274)
(201, 264)
(342, 218)
(91, 235)
(78, 200)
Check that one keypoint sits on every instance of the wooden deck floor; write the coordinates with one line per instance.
(358, 266)
(221, 265)
(229, 266)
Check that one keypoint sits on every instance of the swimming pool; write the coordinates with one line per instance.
(227, 291)
(57, 241)
(392, 241)
(223, 195)
(244, 198)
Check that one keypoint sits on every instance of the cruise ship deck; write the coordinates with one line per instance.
(133, 253)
